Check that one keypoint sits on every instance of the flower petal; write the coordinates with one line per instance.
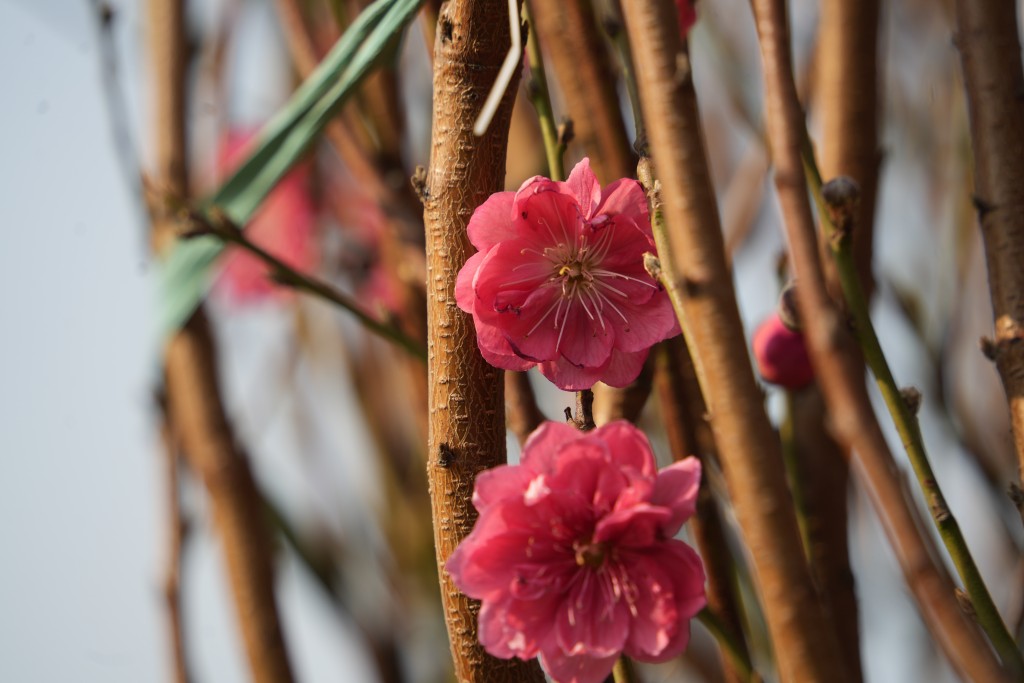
(465, 296)
(569, 377)
(592, 620)
(676, 488)
(542, 446)
(623, 368)
(584, 186)
(491, 223)
(626, 198)
(576, 669)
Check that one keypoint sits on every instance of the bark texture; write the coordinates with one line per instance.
(682, 410)
(841, 373)
(467, 417)
(748, 447)
(197, 418)
(990, 54)
(569, 33)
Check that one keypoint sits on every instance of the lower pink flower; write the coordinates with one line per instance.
(573, 556)
(284, 225)
(687, 10)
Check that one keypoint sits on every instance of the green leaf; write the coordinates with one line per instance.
(187, 272)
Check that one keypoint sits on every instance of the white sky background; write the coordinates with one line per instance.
(81, 477)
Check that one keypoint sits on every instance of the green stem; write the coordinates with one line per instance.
(624, 672)
(537, 89)
(729, 644)
(791, 461)
(219, 226)
(835, 216)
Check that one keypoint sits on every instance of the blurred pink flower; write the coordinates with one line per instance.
(559, 280)
(687, 10)
(283, 225)
(573, 556)
(781, 355)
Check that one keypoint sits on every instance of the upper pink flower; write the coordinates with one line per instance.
(284, 225)
(559, 280)
(781, 355)
(573, 556)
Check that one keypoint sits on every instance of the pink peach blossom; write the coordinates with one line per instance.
(781, 355)
(573, 556)
(559, 280)
(284, 226)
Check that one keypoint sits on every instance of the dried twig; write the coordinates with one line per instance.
(841, 375)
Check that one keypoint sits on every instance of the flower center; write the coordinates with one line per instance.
(590, 554)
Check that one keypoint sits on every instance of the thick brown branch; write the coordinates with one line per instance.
(195, 412)
(748, 447)
(990, 53)
(847, 88)
(521, 410)
(842, 375)
(570, 35)
(682, 410)
(176, 532)
(467, 421)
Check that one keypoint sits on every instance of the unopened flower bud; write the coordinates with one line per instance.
(781, 355)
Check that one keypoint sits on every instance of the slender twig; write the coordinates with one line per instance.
(466, 417)
(730, 644)
(217, 224)
(839, 372)
(614, 27)
(195, 411)
(790, 458)
(994, 78)
(176, 537)
(537, 89)
(624, 671)
(837, 204)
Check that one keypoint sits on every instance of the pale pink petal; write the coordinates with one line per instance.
(546, 215)
(585, 342)
(465, 296)
(576, 669)
(592, 620)
(637, 525)
(569, 377)
(542, 446)
(584, 186)
(656, 627)
(626, 198)
(498, 483)
(495, 349)
(677, 569)
(629, 448)
(515, 628)
(623, 368)
(491, 223)
(645, 325)
(676, 488)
